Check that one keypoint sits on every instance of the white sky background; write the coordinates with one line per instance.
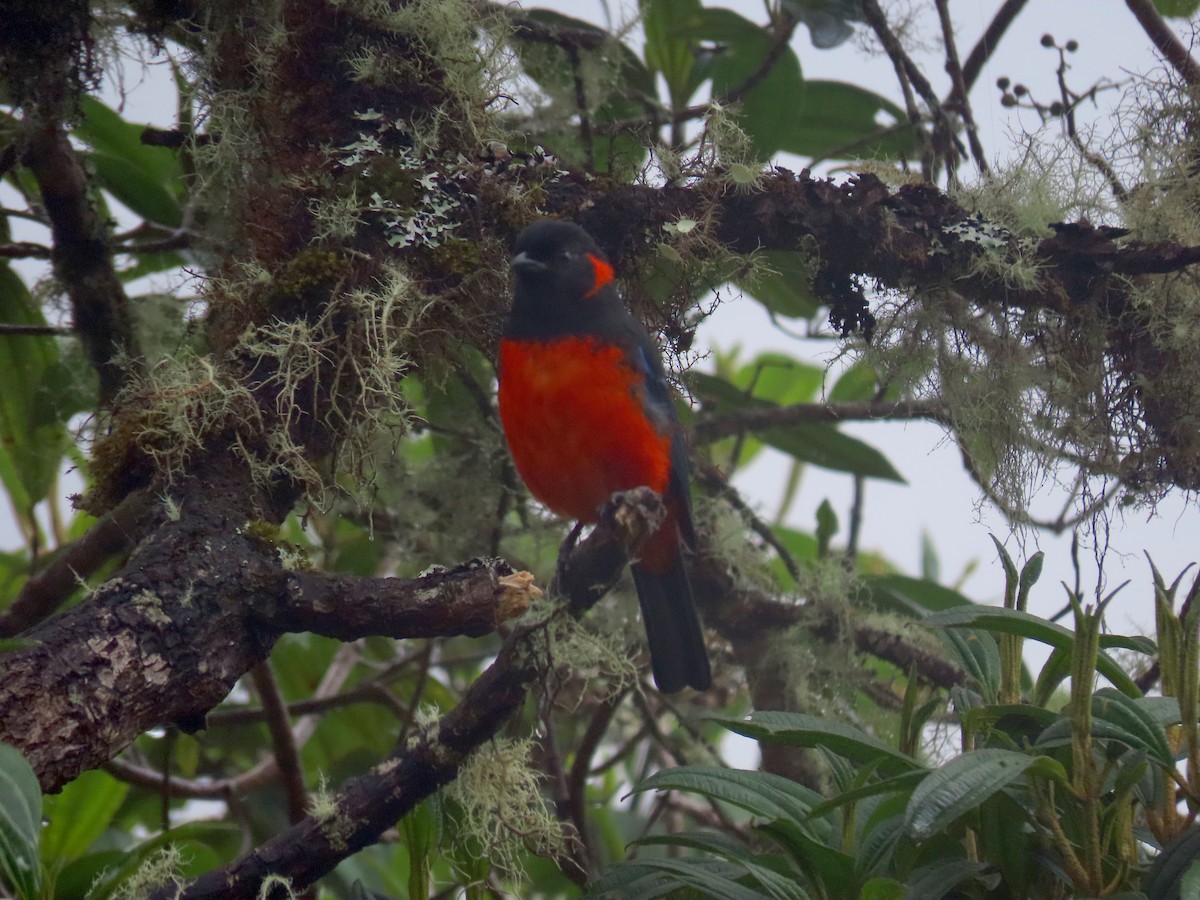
(939, 498)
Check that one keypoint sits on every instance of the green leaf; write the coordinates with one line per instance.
(831, 867)
(825, 446)
(1056, 670)
(1116, 717)
(897, 784)
(961, 785)
(911, 596)
(20, 824)
(843, 121)
(764, 112)
(1177, 9)
(763, 794)
(136, 188)
(799, 730)
(976, 651)
(78, 815)
(1011, 621)
(668, 49)
(1007, 841)
(781, 281)
(197, 842)
(858, 383)
(647, 878)
(106, 132)
(32, 434)
(736, 852)
(884, 889)
(1171, 866)
(827, 526)
(779, 379)
(940, 877)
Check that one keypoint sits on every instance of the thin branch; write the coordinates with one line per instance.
(370, 692)
(959, 90)
(286, 753)
(24, 250)
(715, 426)
(50, 587)
(585, 751)
(711, 477)
(907, 72)
(1165, 40)
(854, 531)
(779, 43)
(139, 776)
(983, 50)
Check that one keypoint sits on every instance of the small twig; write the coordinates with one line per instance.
(24, 250)
(190, 788)
(581, 106)
(712, 478)
(370, 692)
(907, 72)
(736, 94)
(581, 766)
(1070, 102)
(854, 530)
(36, 330)
(714, 427)
(986, 46)
(49, 588)
(1165, 40)
(959, 90)
(287, 755)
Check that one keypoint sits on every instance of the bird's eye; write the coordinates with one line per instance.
(566, 255)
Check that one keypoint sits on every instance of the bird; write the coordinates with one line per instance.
(587, 411)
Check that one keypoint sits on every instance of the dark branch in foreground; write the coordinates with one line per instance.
(198, 605)
(369, 804)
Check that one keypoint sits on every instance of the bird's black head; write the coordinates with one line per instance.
(558, 262)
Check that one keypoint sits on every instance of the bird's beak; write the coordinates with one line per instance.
(523, 262)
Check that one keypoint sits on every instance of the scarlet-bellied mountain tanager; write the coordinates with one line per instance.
(587, 412)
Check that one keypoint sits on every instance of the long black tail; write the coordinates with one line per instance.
(677, 653)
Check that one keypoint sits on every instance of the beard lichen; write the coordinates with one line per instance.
(503, 812)
(1096, 386)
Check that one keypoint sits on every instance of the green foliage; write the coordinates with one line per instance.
(35, 408)
(1038, 803)
(21, 870)
(1179, 9)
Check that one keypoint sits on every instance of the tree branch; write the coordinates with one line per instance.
(286, 753)
(1165, 40)
(983, 50)
(49, 588)
(471, 599)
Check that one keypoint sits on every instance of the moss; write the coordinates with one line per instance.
(305, 281)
